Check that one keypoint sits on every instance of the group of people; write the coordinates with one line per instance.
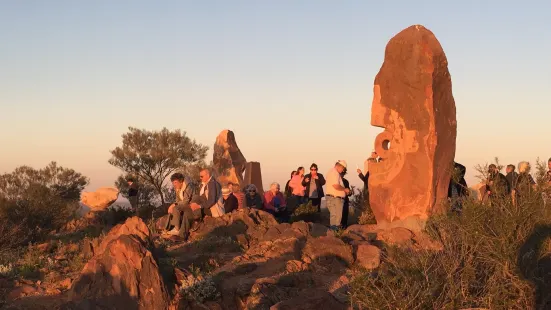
(499, 187)
(210, 198)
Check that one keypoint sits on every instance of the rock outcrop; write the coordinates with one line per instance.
(123, 273)
(229, 162)
(414, 104)
(100, 199)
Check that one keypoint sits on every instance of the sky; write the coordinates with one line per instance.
(292, 79)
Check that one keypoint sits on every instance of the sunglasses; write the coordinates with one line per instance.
(313, 169)
(252, 191)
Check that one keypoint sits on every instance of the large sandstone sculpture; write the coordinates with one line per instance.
(100, 199)
(253, 175)
(414, 104)
(229, 162)
(123, 273)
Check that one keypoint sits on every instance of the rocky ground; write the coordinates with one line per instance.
(243, 260)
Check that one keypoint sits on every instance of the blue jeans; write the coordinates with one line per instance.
(334, 205)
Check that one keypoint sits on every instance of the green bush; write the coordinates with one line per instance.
(491, 258)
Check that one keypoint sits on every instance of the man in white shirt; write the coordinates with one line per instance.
(335, 193)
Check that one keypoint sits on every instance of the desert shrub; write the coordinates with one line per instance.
(491, 258)
(35, 202)
(306, 212)
(360, 201)
(198, 289)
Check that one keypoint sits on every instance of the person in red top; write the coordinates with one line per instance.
(274, 202)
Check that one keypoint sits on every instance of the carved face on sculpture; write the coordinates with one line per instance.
(413, 102)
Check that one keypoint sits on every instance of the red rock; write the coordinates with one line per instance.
(123, 273)
(229, 162)
(66, 284)
(414, 104)
(368, 256)
(21, 291)
(311, 300)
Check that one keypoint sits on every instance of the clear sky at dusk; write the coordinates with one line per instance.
(292, 79)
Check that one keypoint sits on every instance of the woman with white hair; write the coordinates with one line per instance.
(274, 201)
(253, 198)
(525, 182)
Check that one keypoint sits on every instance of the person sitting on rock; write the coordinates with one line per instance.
(181, 213)
(274, 201)
(229, 200)
(238, 193)
(252, 198)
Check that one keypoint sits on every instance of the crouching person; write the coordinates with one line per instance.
(185, 210)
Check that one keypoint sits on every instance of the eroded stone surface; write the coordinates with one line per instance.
(414, 104)
(100, 199)
(229, 162)
(253, 175)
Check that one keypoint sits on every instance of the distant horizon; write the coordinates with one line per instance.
(293, 80)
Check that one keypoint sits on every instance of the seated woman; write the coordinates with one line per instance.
(253, 198)
(274, 200)
(229, 200)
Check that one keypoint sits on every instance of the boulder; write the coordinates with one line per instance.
(123, 273)
(368, 256)
(229, 162)
(414, 104)
(99, 200)
(327, 249)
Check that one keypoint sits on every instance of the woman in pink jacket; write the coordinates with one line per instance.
(296, 185)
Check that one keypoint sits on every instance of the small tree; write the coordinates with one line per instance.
(154, 155)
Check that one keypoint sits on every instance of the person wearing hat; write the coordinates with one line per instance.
(229, 200)
(335, 193)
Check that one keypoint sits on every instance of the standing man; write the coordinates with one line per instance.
(511, 176)
(132, 194)
(336, 193)
(497, 188)
(313, 183)
(346, 204)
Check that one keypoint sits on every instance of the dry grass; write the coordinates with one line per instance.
(494, 257)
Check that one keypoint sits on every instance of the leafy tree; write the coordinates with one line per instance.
(154, 155)
(35, 202)
(62, 182)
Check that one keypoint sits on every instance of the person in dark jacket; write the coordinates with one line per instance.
(346, 203)
(229, 200)
(314, 183)
(497, 186)
(133, 194)
(253, 198)
(457, 190)
(511, 177)
(365, 177)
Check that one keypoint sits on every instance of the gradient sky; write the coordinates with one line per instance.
(290, 78)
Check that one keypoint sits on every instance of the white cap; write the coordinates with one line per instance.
(342, 162)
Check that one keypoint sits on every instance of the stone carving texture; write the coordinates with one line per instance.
(414, 104)
(253, 175)
(229, 162)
